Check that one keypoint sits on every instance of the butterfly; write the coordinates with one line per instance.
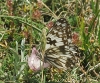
(60, 51)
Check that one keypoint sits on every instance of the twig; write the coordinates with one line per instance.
(49, 10)
(96, 66)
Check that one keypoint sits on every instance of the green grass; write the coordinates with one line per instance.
(21, 26)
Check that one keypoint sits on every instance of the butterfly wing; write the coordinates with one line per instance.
(60, 51)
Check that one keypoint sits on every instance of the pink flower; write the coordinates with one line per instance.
(34, 62)
(36, 14)
(50, 24)
(75, 38)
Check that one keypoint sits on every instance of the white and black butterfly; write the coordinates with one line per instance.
(60, 51)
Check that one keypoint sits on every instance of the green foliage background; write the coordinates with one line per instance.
(21, 26)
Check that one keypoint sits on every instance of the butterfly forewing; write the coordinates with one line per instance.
(60, 51)
(57, 35)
